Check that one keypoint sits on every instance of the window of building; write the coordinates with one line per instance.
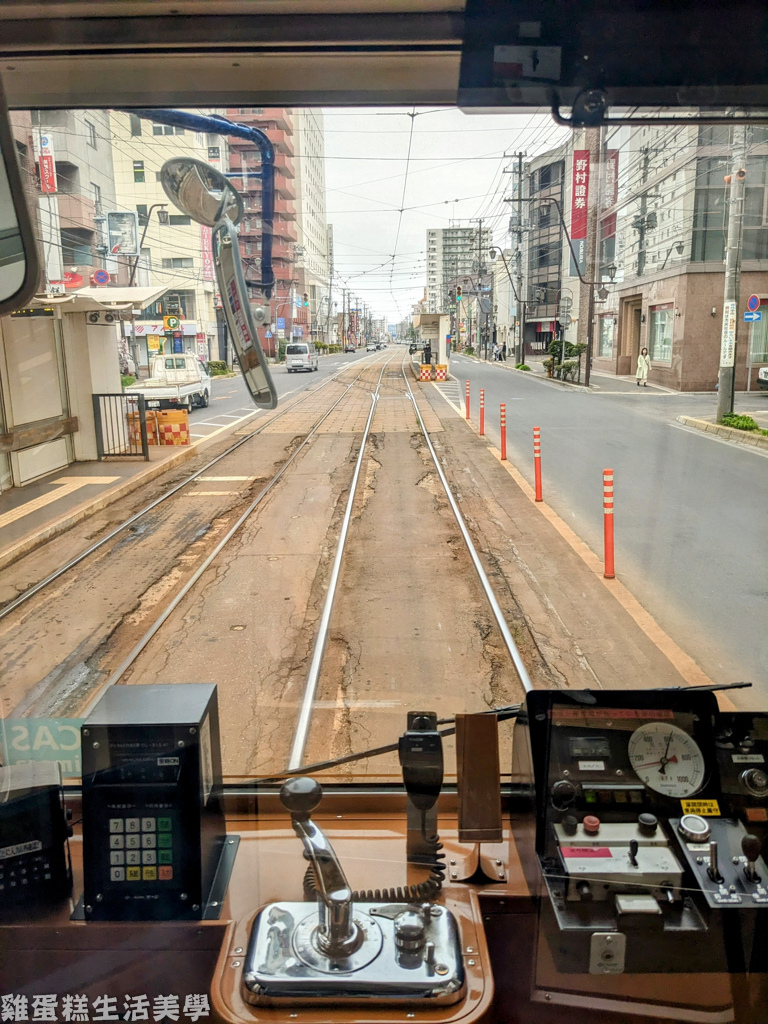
(135, 123)
(606, 335)
(141, 209)
(91, 132)
(660, 333)
(178, 262)
(179, 219)
(96, 191)
(138, 170)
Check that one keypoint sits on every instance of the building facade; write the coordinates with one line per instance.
(313, 263)
(453, 252)
(175, 251)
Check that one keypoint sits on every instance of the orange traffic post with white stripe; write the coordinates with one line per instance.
(537, 461)
(503, 427)
(609, 573)
(482, 412)
(467, 400)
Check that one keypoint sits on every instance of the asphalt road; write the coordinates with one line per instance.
(690, 510)
(230, 400)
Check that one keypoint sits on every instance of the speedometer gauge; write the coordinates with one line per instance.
(667, 759)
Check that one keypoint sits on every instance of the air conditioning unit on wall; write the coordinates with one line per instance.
(102, 318)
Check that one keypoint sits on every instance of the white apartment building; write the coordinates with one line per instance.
(453, 252)
(313, 263)
(176, 254)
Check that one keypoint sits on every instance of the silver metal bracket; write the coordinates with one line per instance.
(407, 953)
(607, 952)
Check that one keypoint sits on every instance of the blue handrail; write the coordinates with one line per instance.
(215, 124)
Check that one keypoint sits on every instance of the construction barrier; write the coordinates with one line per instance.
(134, 428)
(426, 371)
(537, 461)
(441, 372)
(173, 427)
(609, 573)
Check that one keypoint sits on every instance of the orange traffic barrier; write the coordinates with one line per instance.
(441, 372)
(609, 573)
(482, 412)
(537, 461)
(426, 371)
(173, 427)
(503, 426)
(467, 400)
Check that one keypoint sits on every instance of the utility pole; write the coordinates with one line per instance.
(594, 141)
(727, 374)
(642, 219)
(519, 263)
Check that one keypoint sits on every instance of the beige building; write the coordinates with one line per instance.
(312, 252)
(175, 254)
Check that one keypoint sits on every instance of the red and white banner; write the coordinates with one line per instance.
(579, 200)
(207, 251)
(46, 162)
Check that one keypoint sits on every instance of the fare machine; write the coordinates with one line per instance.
(646, 845)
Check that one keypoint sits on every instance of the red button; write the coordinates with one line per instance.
(591, 824)
(165, 874)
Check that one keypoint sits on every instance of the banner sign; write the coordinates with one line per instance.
(46, 162)
(207, 251)
(728, 337)
(579, 199)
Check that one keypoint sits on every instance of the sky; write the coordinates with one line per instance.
(436, 166)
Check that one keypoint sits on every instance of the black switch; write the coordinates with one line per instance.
(648, 823)
(633, 848)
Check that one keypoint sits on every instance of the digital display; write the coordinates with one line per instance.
(589, 746)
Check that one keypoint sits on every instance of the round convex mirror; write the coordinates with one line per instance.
(200, 191)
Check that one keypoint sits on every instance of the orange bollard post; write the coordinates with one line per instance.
(467, 400)
(482, 412)
(503, 425)
(537, 461)
(609, 573)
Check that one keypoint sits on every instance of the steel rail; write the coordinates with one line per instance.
(509, 642)
(305, 712)
(120, 671)
(37, 587)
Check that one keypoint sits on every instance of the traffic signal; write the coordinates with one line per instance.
(458, 292)
(306, 299)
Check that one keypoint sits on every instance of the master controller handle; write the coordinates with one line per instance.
(750, 847)
(337, 935)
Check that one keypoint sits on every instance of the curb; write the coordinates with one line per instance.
(88, 508)
(743, 437)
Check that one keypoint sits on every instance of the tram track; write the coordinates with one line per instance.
(57, 692)
(30, 592)
(271, 716)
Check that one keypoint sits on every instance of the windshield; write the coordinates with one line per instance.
(533, 484)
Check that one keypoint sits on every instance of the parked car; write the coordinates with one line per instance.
(300, 355)
(762, 377)
(179, 381)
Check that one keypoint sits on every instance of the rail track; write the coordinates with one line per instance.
(139, 662)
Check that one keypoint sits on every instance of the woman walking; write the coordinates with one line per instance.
(643, 366)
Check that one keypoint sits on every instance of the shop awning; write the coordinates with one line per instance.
(86, 299)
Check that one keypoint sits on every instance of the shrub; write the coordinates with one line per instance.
(216, 367)
(742, 423)
(522, 366)
(126, 380)
(468, 351)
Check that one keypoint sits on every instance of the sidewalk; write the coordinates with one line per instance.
(32, 514)
(599, 381)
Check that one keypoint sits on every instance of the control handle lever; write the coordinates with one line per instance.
(337, 935)
(750, 847)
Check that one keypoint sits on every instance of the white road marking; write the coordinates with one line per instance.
(721, 440)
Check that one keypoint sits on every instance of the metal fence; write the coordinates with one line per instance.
(121, 426)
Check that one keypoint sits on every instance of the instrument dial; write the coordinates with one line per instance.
(667, 759)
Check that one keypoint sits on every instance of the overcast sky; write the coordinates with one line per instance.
(456, 170)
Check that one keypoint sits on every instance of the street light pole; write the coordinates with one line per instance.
(154, 206)
(726, 376)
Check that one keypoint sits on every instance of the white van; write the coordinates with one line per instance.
(300, 355)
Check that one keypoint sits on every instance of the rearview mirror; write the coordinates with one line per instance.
(200, 191)
(19, 263)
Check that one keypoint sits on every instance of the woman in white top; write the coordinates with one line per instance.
(643, 366)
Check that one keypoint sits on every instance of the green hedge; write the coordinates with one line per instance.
(742, 423)
(126, 380)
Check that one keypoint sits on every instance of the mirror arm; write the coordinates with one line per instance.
(215, 124)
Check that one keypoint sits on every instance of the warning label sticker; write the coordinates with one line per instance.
(706, 808)
(586, 851)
